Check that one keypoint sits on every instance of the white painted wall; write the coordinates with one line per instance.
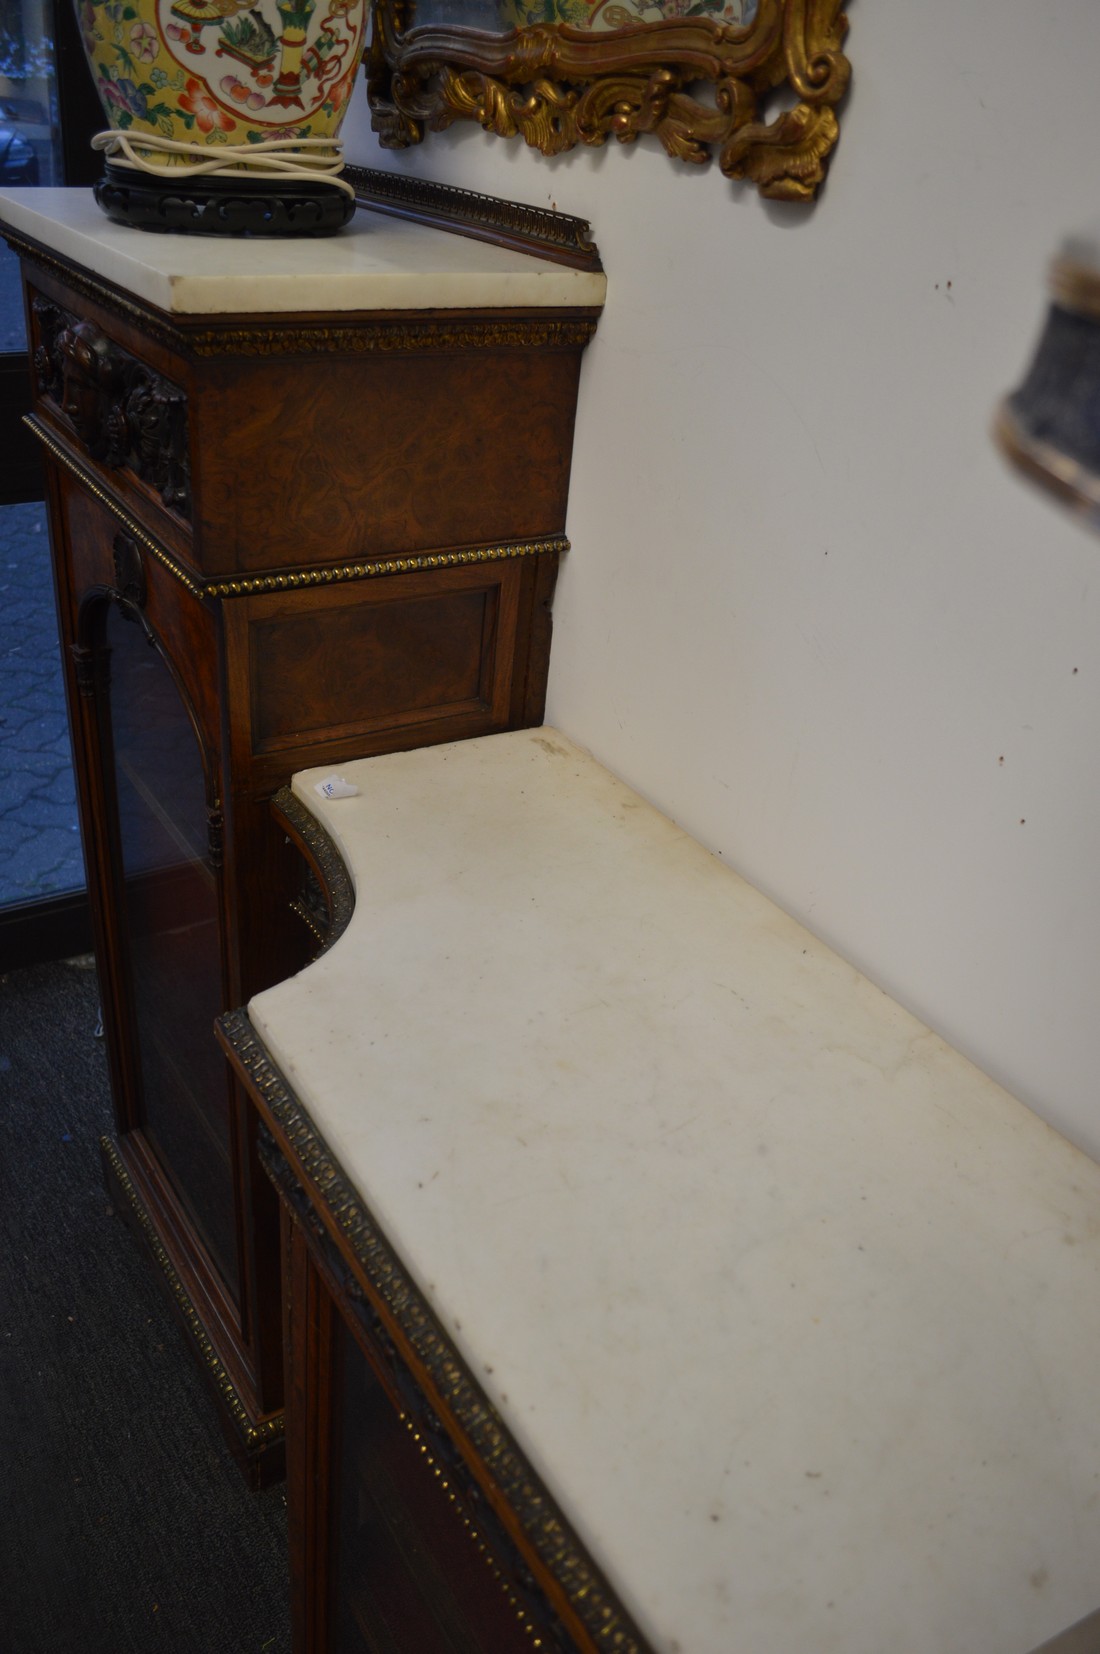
(809, 611)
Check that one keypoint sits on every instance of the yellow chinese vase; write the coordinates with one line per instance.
(224, 114)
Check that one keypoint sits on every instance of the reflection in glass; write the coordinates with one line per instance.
(39, 835)
(171, 918)
(13, 327)
(595, 15)
(30, 134)
(30, 131)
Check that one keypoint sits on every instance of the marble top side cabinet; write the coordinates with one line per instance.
(305, 502)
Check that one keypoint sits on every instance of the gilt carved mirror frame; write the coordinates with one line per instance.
(698, 74)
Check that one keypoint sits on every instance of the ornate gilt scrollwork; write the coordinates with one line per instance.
(557, 85)
(123, 413)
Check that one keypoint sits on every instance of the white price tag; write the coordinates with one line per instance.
(334, 786)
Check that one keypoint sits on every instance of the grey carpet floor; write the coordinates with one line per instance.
(125, 1526)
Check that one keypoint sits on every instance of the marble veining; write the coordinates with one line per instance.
(376, 263)
(795, 1312)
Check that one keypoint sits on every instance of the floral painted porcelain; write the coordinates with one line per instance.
(220, 97)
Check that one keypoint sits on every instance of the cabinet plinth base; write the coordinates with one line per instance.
(256, 1442)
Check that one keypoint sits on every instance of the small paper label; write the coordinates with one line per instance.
(334, 786)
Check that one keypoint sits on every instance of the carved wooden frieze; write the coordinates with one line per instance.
(699, 76)
(123, 413)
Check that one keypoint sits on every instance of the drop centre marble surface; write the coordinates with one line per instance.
(794, 1311)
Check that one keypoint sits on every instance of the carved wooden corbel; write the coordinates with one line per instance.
(122, 413)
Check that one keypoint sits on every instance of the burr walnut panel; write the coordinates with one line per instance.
(341, 665)
(408, 452)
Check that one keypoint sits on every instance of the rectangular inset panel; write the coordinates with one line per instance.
(360, 658)
(407, 1573)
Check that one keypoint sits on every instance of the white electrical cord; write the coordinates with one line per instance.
(288, 158)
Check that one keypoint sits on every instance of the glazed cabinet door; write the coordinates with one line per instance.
(166, 875)
(144, 676)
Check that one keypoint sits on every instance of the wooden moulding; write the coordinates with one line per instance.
(547, 234)
(557, 85)
(329, 918)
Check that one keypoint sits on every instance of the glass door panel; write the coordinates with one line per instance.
(170, 909)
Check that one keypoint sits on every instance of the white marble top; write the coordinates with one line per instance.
(796, 1313)
(375, 263)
